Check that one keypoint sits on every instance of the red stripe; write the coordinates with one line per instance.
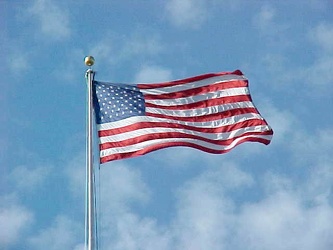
(187, 80)
(174, 144)
(199, 90)
(204, 103)
(166, 135)
(209, 117)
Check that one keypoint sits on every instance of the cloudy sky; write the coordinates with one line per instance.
(276, 197)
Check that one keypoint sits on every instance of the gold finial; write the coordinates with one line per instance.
(89, 60)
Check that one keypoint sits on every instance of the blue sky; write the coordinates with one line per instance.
(254, 197)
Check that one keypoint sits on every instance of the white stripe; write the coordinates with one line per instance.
(202, 97)
(209, 124)
(191, 85)
(211, 136)
(200, 111)
(207, 145)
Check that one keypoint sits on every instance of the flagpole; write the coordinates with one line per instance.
(90, 236)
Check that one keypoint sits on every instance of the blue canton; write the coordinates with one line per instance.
(114, 102)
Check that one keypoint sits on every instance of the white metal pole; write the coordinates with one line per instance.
(90, 241)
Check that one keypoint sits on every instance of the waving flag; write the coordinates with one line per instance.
(211, 112)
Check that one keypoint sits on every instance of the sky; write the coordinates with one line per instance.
(276, 197)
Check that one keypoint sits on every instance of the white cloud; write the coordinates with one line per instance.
(227, 177)
(201, 204)
(135, 46)
(316, 75)
(115, 175)
(180, 158)
(153, 74)
(319, 187)
(323, 68)
(273, 183)
(62, 234)
(80, 247)
(187, 13)
(70, 71)
(17, 58)
(283, 122)
(319, 74)
(128, 183)
(204, 213)
(75, 171)
(18, 62)
(28, 179)
(265, 17)
(281, 221)
(314, 78)
(268, 26)
(135, 233)
(313, 154)
(53, 20)
(103, 50)
(276, 64)
(142, 42)
(121, 228)
(312, 148)
(272, 28)
(322, 35)
(14, 219)
(208, 214)
(3, 147)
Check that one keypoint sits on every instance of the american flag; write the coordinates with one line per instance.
(211, 112)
